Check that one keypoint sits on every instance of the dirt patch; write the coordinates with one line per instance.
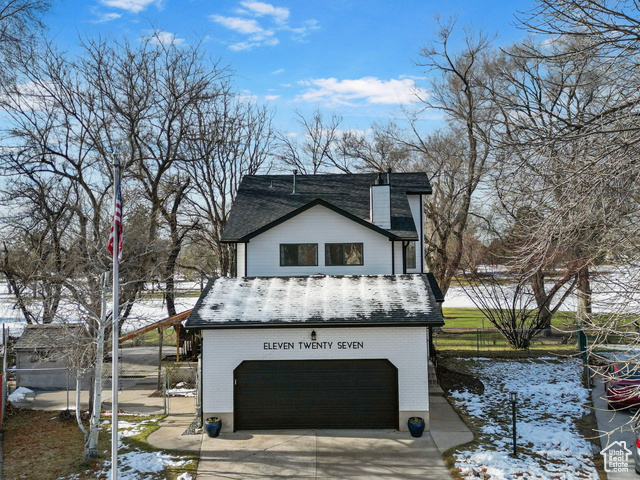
(451, 379)
(40, 446)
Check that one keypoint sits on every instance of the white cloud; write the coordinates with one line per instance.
(165, 38)
(271, 97)
(279, 14)
(301, 32)
(259, 22)
(134, 6)
(369, 90)
(246, 26)
(106, 17)
(278, 71)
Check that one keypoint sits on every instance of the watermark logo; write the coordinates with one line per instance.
(616, 457)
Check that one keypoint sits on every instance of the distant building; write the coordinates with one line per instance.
(44, 354)
(327, 322)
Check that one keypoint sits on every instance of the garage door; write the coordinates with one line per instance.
(316, 394)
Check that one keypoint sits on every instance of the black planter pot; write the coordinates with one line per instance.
(212, 426)
(416, 426)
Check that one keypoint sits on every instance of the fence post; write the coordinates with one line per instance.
(164, 391)
(478, 340)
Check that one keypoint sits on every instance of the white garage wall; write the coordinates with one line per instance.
(224, 350)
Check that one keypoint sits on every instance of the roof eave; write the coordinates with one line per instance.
(240, 325)
(419, 192)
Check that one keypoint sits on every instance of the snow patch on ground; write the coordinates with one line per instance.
(128, 429)
(133, 465)
(181, 392)
(20, 395)
(550, 398)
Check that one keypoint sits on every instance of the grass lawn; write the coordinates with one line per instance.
(152, 338)
(467, 331)
(37, 445)
(474, 318)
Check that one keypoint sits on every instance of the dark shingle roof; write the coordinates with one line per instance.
(50, 336)
(317, 300)
(264, 200)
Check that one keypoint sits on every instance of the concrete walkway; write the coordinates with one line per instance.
(351, 454)
(447, 428)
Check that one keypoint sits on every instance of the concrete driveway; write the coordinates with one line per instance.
(352, 454)
(614, 426)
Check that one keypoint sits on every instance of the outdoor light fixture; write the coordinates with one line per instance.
(513, 398)
(313, 336)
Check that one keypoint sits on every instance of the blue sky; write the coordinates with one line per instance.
(350, 57)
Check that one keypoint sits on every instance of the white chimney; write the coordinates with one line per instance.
(380, 202)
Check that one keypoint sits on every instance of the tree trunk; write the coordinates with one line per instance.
(542, 302)
(584, 295)
(78, 409)
(91, 442)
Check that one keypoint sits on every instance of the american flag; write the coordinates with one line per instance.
(117, 223)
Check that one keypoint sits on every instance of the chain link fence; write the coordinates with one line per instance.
(480, 340)
(172, 389)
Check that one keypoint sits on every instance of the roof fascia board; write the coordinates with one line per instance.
(239, 326)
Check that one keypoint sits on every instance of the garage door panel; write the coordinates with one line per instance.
(316, 394)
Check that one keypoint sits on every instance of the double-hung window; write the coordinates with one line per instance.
(343, 254)
(298, 254)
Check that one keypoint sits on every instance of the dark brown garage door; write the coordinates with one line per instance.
(316, 394)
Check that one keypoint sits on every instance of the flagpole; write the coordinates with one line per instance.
(114, 326)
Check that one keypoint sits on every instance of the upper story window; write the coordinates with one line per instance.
(298, 254)
(410, 255)
(343, 254)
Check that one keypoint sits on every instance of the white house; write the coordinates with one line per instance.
(327, 321)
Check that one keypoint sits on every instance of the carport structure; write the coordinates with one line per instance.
(170, 322)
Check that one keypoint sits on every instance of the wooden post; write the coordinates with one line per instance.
(161, 339)
(177, 328)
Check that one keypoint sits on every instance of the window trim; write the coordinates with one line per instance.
(298, 244)
(326, 257)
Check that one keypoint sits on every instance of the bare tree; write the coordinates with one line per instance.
(20, 24)
(376, 150)
(229, 138)
(507, 305)
(316, 148)
(455, 159)
(554, 172)
(151, 93)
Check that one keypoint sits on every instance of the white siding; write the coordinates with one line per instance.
(397, 255)
(380, 205)
(417, 211)
(240, 249)
(405, 347)
(318, 225)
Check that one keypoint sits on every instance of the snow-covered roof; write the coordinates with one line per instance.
(318, 299)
